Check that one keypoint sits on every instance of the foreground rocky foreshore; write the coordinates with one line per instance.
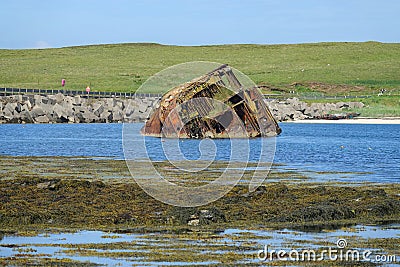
(61, 108)
(66, 197)
(68, 211)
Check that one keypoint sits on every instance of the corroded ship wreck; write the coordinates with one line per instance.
(214, 105)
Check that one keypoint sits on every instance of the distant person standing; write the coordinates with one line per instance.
(63, 84)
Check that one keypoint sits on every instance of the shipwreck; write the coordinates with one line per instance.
(214, 105)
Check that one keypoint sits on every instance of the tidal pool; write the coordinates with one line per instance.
(231, 246)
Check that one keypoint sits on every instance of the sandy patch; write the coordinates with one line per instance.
(354, 121)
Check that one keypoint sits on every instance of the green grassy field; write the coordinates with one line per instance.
(358, 67)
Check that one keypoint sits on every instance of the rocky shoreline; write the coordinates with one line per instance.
(62, 196)
(293, 109)
(61, 108)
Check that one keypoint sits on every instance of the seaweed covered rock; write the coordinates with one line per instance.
(194, 216)
(214, 105)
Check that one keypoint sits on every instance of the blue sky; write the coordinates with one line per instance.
(46, 23)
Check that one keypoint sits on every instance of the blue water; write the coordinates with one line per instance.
(343, 147)
(372, 150)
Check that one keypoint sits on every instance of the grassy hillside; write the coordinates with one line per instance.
(123, 67)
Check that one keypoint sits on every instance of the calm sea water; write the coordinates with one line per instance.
(371, 151)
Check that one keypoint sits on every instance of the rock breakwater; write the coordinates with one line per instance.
(294, 109)
(61, 108)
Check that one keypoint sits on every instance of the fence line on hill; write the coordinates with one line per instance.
(16, 91)
(315, 97)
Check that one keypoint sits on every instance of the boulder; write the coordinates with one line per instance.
(17, 98)
(37, 99)
(51, 101)
(120, 104)
(298, 115)
(355, 105)
(359, 105)
(83, 114)
(77, 100)
(79, 117)
(117, 116)
(133, 118)
(67, 106)
(37, 111)
(80, 109)
(25, 116)
(59, 113)
(106, 116)
(48, 109)
(286, 113)
(69, 99)
(24, 107)
(14, 119)
(147, 102)
(309, 112)
(28, 104)
(90, 117)
(345, 105)
(137, 116)
(7, 114)
(110, 103)
(42, 119)
(10, 108)
(330, 107)
(45, 100)
(59, 98)
(129, 110)
(339, 105)
(52, 98)
(98, 108)
(142, 107)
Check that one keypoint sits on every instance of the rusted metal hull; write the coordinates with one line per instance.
(212, 106)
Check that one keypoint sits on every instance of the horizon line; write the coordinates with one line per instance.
(200, 45)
